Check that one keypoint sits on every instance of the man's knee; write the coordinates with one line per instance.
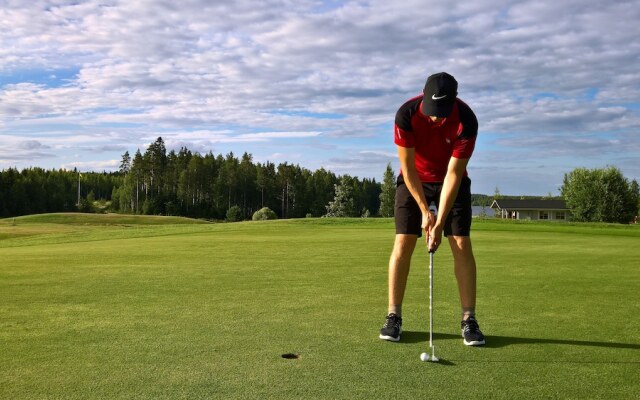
(461, 246)
(403, 246)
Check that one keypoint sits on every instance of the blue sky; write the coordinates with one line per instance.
(555, 85)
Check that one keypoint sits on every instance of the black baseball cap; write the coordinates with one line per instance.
(440, 93)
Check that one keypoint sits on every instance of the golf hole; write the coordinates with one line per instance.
(290, 356)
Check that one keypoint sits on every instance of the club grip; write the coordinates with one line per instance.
(429, 248)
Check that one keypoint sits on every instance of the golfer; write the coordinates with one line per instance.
(435, 134)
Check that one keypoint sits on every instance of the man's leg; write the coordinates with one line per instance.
(399, 264)
(465, 271)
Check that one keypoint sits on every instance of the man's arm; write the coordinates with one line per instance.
(407, 157)
(450, 186)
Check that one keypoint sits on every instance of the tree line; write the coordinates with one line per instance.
(37, 191)
(184, 183)
(210, 186)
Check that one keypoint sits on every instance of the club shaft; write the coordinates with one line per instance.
(431, 301)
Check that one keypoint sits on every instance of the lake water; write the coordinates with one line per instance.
(476, 211)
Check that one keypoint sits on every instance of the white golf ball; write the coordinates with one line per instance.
(424, 356)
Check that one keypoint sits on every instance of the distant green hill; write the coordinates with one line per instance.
(99, 219)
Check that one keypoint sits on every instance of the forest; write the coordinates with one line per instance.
(186, 183)
(157, 182)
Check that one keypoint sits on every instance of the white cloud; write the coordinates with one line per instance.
(94, 166)
(32, 145)
(219, 74)
(277, 135)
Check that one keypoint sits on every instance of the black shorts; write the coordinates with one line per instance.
(409, 218)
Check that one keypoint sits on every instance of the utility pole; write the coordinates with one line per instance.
(78, 203)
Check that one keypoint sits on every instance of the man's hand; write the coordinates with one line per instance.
(429, 226)
(435, 234)
(450, 186)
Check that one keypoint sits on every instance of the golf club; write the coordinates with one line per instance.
(425, 356)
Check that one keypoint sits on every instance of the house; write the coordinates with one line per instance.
(531, 209)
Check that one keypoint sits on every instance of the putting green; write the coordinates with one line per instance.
(124, 310)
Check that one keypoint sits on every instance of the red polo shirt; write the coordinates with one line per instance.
(436, 143)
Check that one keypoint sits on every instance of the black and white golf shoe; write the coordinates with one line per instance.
(471, 332)
(392, 328)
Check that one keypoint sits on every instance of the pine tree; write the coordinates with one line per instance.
(125, 165)
(388, 195)
(343, 204)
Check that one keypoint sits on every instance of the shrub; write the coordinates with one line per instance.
(600, 195)
(264, 214)
(234, 214)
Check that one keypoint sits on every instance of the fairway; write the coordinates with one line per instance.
(140, 309)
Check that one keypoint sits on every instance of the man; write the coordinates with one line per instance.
(435, 134)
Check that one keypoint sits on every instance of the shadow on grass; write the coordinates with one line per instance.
(494, 342)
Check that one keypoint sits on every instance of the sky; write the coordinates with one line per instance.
(554, 85)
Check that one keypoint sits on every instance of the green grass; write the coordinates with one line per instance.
(122, 311)
(74, 227)
(98, 219)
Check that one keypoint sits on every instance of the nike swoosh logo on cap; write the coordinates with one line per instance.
(433, 96)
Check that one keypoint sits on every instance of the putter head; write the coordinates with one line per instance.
(433, 357)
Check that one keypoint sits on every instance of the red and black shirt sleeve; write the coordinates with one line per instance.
(466, 142)
(404, 135)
